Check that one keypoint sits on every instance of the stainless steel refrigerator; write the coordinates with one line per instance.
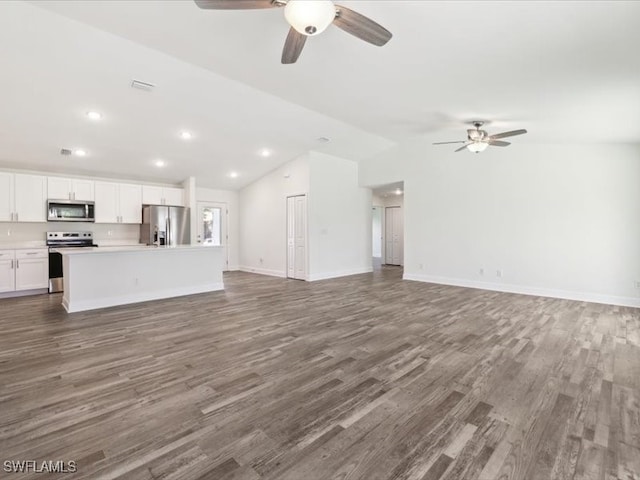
(165, 226)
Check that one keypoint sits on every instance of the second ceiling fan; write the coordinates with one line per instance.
(309, 18)
(478, 140)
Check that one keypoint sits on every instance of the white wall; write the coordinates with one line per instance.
(231, 199)
(556, 220)
(263, 221)
(339, 219)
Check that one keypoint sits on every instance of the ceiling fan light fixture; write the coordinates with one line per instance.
(477, 146)
(310, 17)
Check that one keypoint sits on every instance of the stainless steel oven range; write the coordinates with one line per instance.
(62, 240)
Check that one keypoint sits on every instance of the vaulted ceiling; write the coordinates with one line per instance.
(566, 71)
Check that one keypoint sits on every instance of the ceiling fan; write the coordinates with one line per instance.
(478, 140)
(308, 18)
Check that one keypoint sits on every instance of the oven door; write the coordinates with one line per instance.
(55, 272)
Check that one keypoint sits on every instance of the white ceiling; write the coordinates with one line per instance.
(566, 71)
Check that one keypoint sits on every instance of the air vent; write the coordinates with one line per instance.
(140, 85)
(65, 151)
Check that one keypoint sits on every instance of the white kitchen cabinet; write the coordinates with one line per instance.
(174, 197)
(7, 203)
(32, 269)
(130, 203)
(7, 272)
(118, 203)
(152, 195)
(60, 188)
(23, 198)
(25, 269)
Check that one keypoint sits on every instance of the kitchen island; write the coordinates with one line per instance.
(108, 276)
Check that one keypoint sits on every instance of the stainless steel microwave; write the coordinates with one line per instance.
(70, 211)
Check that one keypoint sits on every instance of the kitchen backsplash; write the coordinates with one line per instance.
(12, 233)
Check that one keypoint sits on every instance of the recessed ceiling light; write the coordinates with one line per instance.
(80, 153)
(160, 163)
(265, 152)
(186, 135)
(92, 115)
(233, 174)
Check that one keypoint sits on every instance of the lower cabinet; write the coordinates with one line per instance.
(24, 269)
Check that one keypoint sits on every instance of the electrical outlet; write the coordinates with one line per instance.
(261, 261)
(637, 283)
(499, 273)
(8, 232)
(481, 271)
(109, 233)
(420, 266)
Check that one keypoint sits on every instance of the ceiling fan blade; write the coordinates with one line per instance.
(464, 146)
(445, 143)
(235, 4)
(360, 26)
(293, 46)
(498, 143)
(507, 134)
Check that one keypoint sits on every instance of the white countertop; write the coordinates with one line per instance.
(127, 249)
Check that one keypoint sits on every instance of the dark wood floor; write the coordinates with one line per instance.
(366, 377)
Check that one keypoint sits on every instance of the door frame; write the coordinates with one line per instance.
(306, 235)
(224, 226)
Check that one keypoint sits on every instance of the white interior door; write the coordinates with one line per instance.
(394, 239)
(297, 237)
(212, 227)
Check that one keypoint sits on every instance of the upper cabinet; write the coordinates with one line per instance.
(152, 195)
(118, 202)
(60, 188)
(23, 198)
(7, 204)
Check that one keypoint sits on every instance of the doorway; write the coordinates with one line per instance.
(297, 237)
(212, 227)
(387, 228)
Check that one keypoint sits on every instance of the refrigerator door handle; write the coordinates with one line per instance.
(168, 240)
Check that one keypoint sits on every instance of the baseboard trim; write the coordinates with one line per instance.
(525, 290)
(23, 293)
(84, 305)
(342, 273)
(262, 271)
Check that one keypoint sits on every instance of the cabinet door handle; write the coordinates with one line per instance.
(16, 216)
(32, 253)
(11, 264)
(17, 263)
